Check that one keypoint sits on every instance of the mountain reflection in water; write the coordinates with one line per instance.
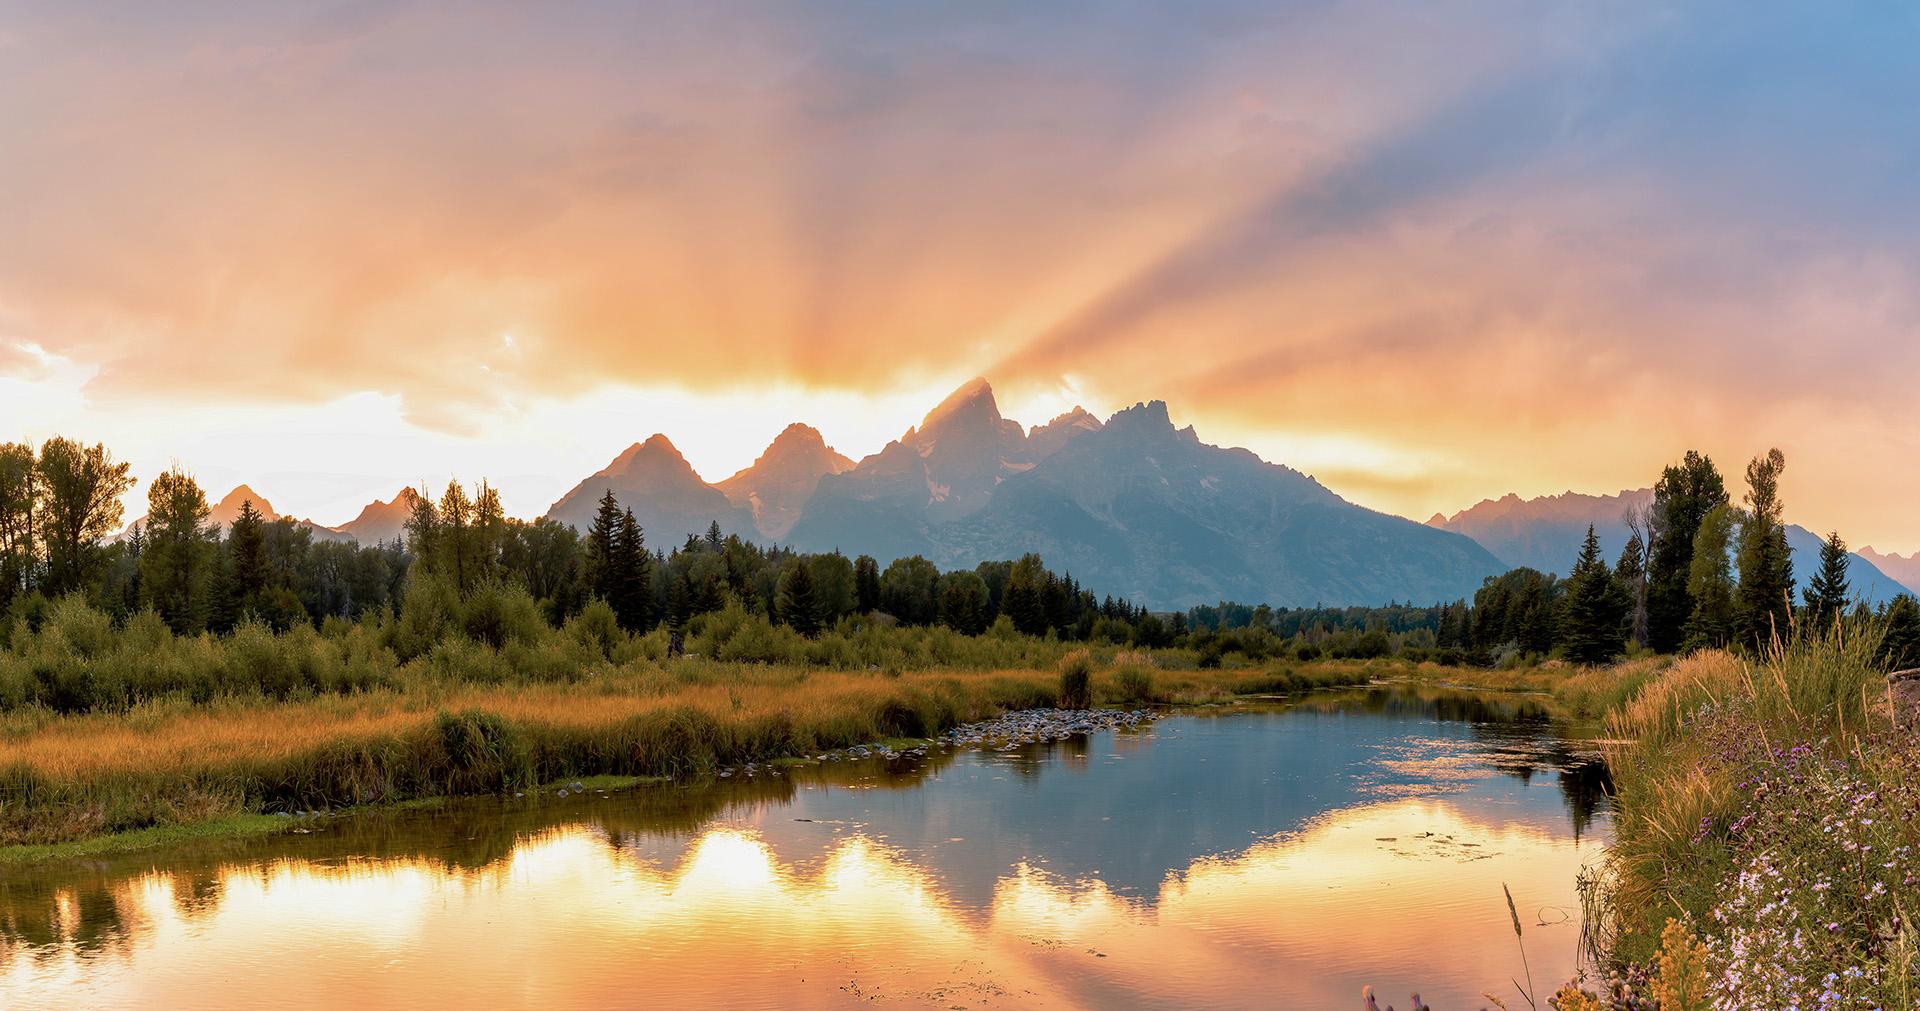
(1256, 856)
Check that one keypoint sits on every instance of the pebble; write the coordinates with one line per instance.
(1034, 726)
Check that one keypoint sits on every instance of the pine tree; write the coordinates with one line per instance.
(1900, 647)
(603, 576)
(796, 602)
(1827, 592)
(866, 584)
(1590, 612)
(632, 576)
(247, 546)
(1025, 600)
(1685, 494)
(680, 601)
(1766, 563)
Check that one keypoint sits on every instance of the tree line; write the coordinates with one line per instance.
(1697, 570)
(60, 506)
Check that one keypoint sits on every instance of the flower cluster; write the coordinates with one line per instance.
(1815, 915)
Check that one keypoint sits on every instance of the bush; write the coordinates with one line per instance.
(1076, 676)
(1134, 684)
(481, 753)
(597, 628)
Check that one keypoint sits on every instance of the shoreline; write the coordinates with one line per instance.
(1005, 731)
(1183, 690)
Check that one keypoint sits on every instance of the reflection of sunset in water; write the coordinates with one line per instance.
(1298, 920)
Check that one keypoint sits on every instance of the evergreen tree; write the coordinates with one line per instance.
(1766, 564)
(1827, 592)
(1024, 602)
(632, 577)
(713, 536)
(247, 548)
(1591, 609)
(1710, 582)
(603, 573)
(796, 602)
(1686, 492)
(1900, 648)
(680, 601)
(866, 584)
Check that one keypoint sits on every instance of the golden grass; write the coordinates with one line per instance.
(172, 762)
(94, 745)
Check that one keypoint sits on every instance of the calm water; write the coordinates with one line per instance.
(1275, 855)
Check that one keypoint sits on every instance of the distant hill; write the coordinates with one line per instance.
(668, 499)
(1545, 533)
(1905, 568)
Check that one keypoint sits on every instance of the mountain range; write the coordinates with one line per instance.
(1545, 533)
(1130, 506)
(378, 522)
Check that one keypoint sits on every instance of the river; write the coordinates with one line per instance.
(1271, 854)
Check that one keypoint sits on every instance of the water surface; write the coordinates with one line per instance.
(1264, 855)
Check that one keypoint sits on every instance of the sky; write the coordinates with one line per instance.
(1429, 253)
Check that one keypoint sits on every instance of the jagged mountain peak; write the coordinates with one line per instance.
(656, 444)
(798, 434)
(1045, 440)
(973, 396)
(225, 511)
(1078, 417)
(1148, 419)
(781, 480)
(969, 414)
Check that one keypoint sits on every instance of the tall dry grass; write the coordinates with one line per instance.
(174, 761)
(1683, 742)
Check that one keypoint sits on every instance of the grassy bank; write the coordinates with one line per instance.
(179, 762)
(1765, 832)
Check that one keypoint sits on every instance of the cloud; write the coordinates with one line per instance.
(1493, 247)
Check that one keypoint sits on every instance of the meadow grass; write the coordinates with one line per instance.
(176, 761)
(1765, 828)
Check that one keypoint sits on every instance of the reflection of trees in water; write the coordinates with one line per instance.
(91, 908)
(1519, 736)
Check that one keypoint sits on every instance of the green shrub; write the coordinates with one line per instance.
(597, 628)
(481, 753)
(1134, 684)
(1076, 675)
